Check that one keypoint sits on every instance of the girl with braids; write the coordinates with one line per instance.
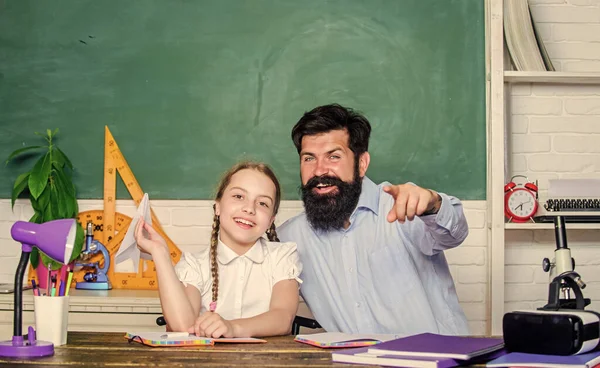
(243, 285)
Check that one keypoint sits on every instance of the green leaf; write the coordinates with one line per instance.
(58, 159)
(79, 239)
(43, 200)
(35, 204)
(66, 198)
(49, 133)
(66, 159)
(47, 213)
(55, 132)
(19, 187)
(39, 176)
(34, 258)
(49, 261)
(20, 151)
(68, 184)
(55, 202)
(36, 218)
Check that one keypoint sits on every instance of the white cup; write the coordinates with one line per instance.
(51, 318)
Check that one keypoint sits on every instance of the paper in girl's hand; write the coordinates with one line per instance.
(128, 255)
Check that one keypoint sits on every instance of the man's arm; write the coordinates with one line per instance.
(441, 222)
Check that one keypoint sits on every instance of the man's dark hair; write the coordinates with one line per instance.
(325, 118)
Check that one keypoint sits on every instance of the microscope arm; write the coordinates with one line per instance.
(105, 254)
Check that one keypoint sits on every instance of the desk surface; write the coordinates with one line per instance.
(100, 349)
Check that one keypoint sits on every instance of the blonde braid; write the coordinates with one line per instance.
(214, 241)
(272, 234)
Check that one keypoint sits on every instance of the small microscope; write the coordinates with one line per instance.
(563, 277)
(96, 279)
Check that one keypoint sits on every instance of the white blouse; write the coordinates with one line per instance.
(245, 282)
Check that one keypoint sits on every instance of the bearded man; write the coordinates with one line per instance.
(372, 255)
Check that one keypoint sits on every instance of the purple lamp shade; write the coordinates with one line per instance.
(55, 238)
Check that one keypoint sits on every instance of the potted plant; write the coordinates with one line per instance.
(51, 190)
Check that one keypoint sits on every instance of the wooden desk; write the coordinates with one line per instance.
(101, 349)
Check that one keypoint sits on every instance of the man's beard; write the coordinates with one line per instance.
(330, 211)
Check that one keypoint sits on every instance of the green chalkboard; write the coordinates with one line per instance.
(190, 87)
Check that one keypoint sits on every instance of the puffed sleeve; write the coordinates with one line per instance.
(189, 270)
(286, 262)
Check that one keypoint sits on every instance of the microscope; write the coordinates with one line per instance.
(97, 278)
(562, 326)
(563, 277)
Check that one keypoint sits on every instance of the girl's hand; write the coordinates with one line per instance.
(211, 324)
(147, 239)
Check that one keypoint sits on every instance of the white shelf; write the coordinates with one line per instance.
(551, 77)
(537, 226)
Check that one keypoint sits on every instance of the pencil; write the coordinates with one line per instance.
(58, 283)
(48, 281)
(68, 286)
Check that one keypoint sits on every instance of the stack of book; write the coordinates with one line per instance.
(425, 350)
(524, 42)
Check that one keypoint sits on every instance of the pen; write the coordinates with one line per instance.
(53, 292)
(169, 335)
(36, 292)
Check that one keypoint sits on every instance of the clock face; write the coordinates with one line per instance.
(521, 203)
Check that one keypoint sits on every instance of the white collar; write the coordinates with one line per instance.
(226, 255)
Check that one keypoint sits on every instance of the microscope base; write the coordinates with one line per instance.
(93, 286)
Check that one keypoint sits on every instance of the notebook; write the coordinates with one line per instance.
(174, 339)
(362, 356)
(343, 340)
(439, 346)
(587, 360)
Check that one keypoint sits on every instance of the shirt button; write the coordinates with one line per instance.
(350, 269)
(357, 305)
(242, 278)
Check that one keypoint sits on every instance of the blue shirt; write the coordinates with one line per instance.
(381, 277)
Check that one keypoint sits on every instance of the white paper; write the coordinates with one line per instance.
(128, 255)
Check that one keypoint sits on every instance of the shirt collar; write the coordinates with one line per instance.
(369, 196)
(225, 255)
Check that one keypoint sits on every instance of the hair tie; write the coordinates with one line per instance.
(212, 306)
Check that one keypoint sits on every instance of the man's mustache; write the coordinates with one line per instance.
(323, 179)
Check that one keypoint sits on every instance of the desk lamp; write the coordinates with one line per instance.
(56, 239)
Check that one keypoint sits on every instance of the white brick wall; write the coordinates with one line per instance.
(555, 133)
(188, 224)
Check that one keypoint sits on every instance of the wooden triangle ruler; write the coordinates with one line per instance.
(114, 162)
(110, 226)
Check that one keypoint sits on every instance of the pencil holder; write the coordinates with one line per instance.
(51, 318)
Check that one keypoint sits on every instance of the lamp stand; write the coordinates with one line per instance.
(18, 347)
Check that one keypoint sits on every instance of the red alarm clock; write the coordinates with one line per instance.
(520, 200)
